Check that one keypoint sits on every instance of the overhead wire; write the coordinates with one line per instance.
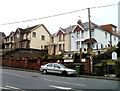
(56, 15)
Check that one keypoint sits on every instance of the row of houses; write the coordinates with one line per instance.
(68, 41)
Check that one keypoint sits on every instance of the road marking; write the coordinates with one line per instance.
(3, 88)
(12, 87)
(65, 82)
(9, 87)
(65, 88)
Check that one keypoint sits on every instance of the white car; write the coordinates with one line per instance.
(57, 68)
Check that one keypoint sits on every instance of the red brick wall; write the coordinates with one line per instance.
(21, 64)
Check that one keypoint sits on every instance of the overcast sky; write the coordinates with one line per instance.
(20, 10)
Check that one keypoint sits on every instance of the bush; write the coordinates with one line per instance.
(107, 54)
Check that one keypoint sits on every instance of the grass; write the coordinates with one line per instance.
(109, 61)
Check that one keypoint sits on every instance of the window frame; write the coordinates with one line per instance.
(78, 34)
(34, 34)
(43, 37)
(78, 46)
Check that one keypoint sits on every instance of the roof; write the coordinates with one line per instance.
(2, 34)
(69, 29)
(27, 30)
(88, 40)
(86, 25)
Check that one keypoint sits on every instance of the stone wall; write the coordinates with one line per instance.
(22, 53)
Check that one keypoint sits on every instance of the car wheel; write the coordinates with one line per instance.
(44, 71)
(64, 73)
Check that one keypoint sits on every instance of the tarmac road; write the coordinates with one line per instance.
(13, 80)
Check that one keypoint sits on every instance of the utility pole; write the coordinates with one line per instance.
(90, 46)
(90, 42)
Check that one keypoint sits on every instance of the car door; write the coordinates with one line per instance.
(57, 68)
(49, 68)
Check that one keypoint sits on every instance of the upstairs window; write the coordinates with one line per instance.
(26, 36)
(52, 39)
(11, 38)
(78, 34)
(34, 34)
(42, 37)
(92, 33)
(82, 35)
(113, 29)
(60, 37)
(106, 35)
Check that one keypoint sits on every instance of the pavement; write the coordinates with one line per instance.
(107, 77)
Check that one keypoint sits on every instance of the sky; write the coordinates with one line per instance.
(21, 10)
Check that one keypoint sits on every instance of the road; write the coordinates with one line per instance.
(14, 80)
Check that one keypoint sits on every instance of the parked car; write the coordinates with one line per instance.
(57, 68)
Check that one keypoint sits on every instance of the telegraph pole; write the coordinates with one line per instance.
(90, 42)
(90, 47)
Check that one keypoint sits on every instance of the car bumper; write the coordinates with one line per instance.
(72, 73)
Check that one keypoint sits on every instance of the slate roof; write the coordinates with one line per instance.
(69, 29)
(27, 30)
(93, 25)
(2, 34)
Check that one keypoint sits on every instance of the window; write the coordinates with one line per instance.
(114, 29)
(34, 34)
(63, 47)
(45, 47)
(78, 34)
(60, 47)
(60, 37)
(11, 38)
(56, 66)
(17, 35)
(41, 47)
(78, 45)
(92, 33)
(26, 36)
(105, 34)
(101, 46)
(82, 35)
(49, 65)
(42, 37)
(52, 39)
(63, 37)
(114, 38)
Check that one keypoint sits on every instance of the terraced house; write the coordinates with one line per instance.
(70, 40)
(36, 37)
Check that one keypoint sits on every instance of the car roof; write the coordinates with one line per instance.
(53, 63)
